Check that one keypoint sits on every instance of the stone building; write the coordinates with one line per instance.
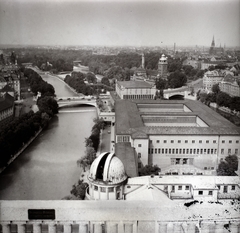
(162, 67)
(181, 137)
(230, 85)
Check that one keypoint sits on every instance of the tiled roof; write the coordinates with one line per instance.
(129, 120)
(6, 102)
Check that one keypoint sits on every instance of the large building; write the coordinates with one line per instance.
(211, 78)
(230, 85)
(135, 90)
(215, 50)
(181, 137)
(117, 204)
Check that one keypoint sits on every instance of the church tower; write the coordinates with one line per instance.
(162, 67)
(212, 48)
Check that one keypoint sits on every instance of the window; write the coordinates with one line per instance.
(176, 151)
(173, 188)
(218, 187)
(205, 150)
(197, 151)
(201, 151)
(230, 141)
(187, 151)
(222, 151)
(170, 151)
(190, 151)
(233, 187)
(152, 151)
(193, 141)
(180, 151)
(13, 228)
(236, 151)
(223, 141)
(183, 151)
(172, 141)
(159, 151)
(214, 141)
(157, 141)
(194, 151)
(211, 151)
(208, 151)
(139, 155)
(173, 151)
(225, 188)
(95, 187)
(162, 151)
(187, 187)
(207, 141)
(111, 189)
(210, 193)
(165, 141)
(200, 192)
(186, 141)
(179, 141)
(229, 151)
(200, 141)
(150, 141)
(180, 187)
(166, 151)
(139, 145)
(237, 141)
(155, 150)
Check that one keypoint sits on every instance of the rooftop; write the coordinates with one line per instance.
(134, 84)
(129, 119)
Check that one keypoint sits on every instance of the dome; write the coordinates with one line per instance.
(108, 169)
(163, 58)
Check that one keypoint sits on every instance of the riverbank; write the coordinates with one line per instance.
(20, 151)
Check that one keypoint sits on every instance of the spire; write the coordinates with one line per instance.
(213, 42)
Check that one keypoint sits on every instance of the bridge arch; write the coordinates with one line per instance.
(66, 105)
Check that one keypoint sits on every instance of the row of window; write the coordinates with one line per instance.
(181, 151)
(229, 151)
(138, 96)
(104, 189)
(193, 141)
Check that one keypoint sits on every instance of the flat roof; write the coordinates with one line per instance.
(124, 210)
(134, 84)
(129, 119)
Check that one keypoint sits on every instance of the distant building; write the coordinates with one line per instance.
(192, 62)
(230, 85)
(135, 90)
(162, 67)
(215, 50)
(211, 78)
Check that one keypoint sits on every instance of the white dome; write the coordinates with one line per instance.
(108, 169)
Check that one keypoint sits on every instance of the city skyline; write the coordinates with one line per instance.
(120, 23)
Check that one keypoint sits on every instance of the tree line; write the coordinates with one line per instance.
(15, 134)
(77, 81)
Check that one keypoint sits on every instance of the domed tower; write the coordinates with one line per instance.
(162, 67)
(106, 178)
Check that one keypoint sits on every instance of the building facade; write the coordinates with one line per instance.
(230, 85)
(135, 90)
(211, 78)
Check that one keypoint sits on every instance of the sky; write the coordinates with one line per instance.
(120, 22)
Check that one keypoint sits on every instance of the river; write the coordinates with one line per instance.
(47, 169)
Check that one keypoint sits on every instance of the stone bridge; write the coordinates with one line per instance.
(182, 91)
(75, 101)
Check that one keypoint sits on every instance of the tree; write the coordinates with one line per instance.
(177, 79)
(105, 81)
(48, 104)
(79, 190)
(149, 170)
(228, 167)
(215, 88)
(91, 78)
(88, 158)
(161, 83)
(223, 99)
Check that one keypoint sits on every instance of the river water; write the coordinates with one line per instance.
(47, 169)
